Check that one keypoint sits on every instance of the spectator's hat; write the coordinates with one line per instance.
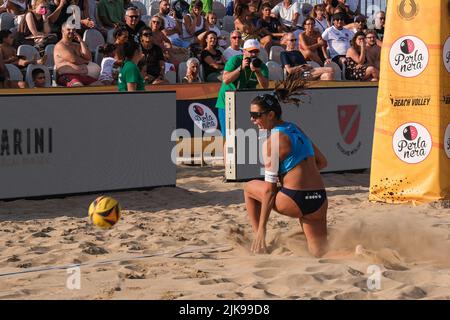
(252, 44)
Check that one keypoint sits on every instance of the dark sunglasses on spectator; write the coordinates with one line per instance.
(257, 115)
(146, 34)
(236, 37)
(382, 18)
(338, 19)
(133, 17)
(154, 21)
(291, 40)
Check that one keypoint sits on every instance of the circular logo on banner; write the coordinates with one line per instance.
(446, 54)
(447, 141)
(203, 117)
(407, 9)
(408, 56)
(412, 142)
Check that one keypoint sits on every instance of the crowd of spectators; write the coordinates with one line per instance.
(313, 39)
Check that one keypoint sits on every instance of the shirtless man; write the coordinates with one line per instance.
(373, 50)
(72, 59)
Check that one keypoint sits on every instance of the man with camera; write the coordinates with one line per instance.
(244, 71)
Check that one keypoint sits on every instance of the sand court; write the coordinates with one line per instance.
(193, 242)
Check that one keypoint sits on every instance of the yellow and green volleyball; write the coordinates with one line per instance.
(104, 212)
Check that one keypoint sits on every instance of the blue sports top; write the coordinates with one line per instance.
(301, 146)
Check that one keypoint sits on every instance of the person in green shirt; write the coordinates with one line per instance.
(130, 78)
(239, 73)
(110, 12)
(207, 6)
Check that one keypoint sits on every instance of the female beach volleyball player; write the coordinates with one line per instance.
(302, 194)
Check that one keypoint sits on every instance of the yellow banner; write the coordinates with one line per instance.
(411, 148)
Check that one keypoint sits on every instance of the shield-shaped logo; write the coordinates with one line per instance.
(349, 117)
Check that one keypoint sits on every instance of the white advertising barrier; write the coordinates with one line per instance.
(53, 144)
(340, 121)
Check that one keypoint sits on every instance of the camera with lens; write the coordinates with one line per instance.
(256, 62)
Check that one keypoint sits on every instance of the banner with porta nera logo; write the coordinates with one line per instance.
(411, 147)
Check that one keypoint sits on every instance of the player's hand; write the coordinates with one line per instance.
(259, 243)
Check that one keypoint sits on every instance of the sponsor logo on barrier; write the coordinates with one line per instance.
(203, 117)
(412, 143)
(410, 101)
(447, 141)
(349, 117)
(446, 54)
(408, 56)
(408, 9)
(25, 146)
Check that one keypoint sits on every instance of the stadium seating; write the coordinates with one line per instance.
(140, 6)
(29, 52)
(6, 21)
(14, 72)
(275, 52)
(93, 39)
(275, 71)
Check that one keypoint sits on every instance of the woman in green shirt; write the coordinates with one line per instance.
(130, 78)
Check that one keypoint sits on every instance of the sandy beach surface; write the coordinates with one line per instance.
(192, 242)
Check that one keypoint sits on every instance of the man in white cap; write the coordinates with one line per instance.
(244, 71)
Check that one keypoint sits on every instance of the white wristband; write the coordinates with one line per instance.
(271, 177)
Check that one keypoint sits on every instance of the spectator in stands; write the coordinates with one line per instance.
(192, 72)
(329, 9)
(133, 23)
(241, 72)
(235, 46)
(248, 30)
(270, 26)
(380, 19)
(230, 8)
(181, 8)
(153, 57)
(3, 71)
(16, 7)
(360, 24)
(356, 61)
(311, 44)
(353, 6)
(108, 73)
(373, 50)
(120, 38)
(5, 83)
(110, 12)
(9, 52)
(130, 77)
(342, 8)
(338, 40)
(206, 8)
(288, 13)
(172, 27)
(73, 60)
(292, 61)
(159, 38)
(212, 59)
(194, 23)
(319, 15)
(59, 15)
(36, 25)
(38, 76)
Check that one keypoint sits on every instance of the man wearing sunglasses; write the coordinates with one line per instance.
(338, 40)
(133, 23)
(235, 45)
(380, 19)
